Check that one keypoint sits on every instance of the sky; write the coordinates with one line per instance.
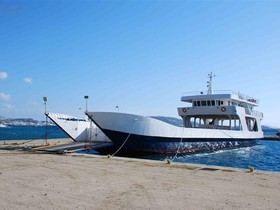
(138, 55)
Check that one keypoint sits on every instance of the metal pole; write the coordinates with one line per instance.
(46, 126)
(46, 136)
(86, 98)
(90, 125)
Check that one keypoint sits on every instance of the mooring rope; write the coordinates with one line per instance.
(168, 161)
(226, 133)
(135, 120)
(179, 145)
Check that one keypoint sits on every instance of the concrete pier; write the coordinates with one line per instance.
(33, 180)
(271, 138)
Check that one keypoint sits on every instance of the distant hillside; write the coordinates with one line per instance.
(21, 122)
(269, 131)
(265, 127)
(171, 120)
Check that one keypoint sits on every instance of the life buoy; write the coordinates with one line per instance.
(184, 110)
(223, 109)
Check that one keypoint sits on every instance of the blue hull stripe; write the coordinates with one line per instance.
(171, 145)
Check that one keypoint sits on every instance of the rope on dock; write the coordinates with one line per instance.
(169, 161)
(135, 120)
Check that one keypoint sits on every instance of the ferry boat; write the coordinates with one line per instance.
(78, 128)
(214, 120)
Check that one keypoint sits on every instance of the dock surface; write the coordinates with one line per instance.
(53, 145)
(47, 181)
(74, 146)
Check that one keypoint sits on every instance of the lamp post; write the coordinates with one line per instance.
(86, 98)
(90, 125)
(46, 134)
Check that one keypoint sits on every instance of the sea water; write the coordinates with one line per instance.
(265, 155)
(30, 132)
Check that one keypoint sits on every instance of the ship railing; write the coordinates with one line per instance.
(259, 114)
(67, 117)
(254, 113)
(238, 94)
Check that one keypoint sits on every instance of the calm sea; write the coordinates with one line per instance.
(30, 132)
(263, 156)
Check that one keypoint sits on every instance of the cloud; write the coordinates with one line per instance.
(3, 75)
(27, 80)
(4, 97)
(8, 106)
(34, 103)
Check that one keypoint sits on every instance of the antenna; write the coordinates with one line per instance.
(209, 84)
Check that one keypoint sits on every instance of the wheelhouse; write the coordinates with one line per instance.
(226, 110)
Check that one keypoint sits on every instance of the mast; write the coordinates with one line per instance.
(209, 84)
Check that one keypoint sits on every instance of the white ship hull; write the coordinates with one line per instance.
(78, 129)
(151, 135)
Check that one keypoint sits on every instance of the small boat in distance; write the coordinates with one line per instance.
(224, 119)
(78, 128)
(3, 125)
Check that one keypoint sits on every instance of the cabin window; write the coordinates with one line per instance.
(203, 103)
(198, 103)
(197, 122)
(226, 123)
(251, 124)
(213, 103)
(222, 102)
(218, 102)
(208, 103)
(237, 124)
(194, 103)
